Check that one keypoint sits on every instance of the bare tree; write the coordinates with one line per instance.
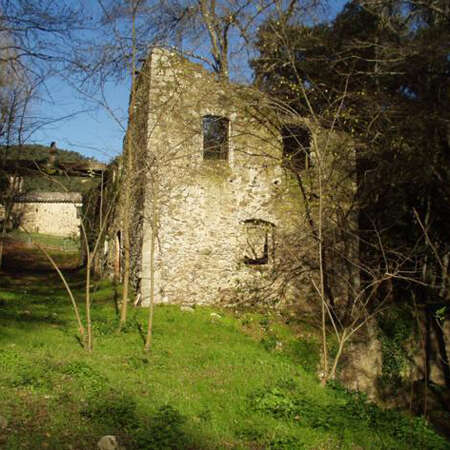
(129, 167)
(35, 44)
(329, 193)
(219, 33)
(93, 245)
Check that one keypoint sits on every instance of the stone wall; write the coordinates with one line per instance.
(207, 209)
(206, 217)
(49, 213)
(223, 228)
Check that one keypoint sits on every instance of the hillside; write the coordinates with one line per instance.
(46, 183)
(58, 183)
(37, 152)
(215, 379)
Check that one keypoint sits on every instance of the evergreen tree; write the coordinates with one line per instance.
(386, 64)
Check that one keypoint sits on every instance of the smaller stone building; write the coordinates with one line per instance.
(46, 195)
(56, 213)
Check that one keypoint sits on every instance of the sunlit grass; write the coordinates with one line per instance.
(21, 252)
(48, 240)
(241, 380)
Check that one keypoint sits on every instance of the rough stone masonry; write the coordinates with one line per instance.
(56, 213)
(216, 201)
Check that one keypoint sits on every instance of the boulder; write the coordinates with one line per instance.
(108, 442)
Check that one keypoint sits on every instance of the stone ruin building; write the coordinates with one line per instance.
(56, 212)
(216, 212)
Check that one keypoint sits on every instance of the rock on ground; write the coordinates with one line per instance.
(186, 308)
(108, 443)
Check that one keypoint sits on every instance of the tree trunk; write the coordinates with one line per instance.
(88, 306)
(148, 341)
(128, 183)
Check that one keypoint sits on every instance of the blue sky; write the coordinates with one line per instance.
(89, 128)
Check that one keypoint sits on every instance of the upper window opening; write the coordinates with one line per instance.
(215, 137)
(296, 147)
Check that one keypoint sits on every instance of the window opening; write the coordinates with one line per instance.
(215, 137)
(296, 147)
(259, 242)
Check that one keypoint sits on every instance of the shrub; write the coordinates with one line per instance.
(396, 328)
(350, 411)
(274, 402)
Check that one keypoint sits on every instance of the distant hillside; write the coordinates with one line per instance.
(39, 152)
(56, 183)
(47, 183)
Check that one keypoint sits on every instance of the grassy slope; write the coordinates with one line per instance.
(47, 240)
(208, 383)
(21, 253)
(55, 183)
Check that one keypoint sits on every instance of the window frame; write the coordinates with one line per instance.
(296, 146)
(269, 243)
(220, 149)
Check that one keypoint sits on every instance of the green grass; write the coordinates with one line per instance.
(20, 253)
(46, 240)
(241, 381)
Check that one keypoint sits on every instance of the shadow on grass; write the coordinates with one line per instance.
(166, 428)
(39, 282)
(34, 265)
(141, 332)
(33, 300)
(23, 316)
(20, 256)
(116, 297)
